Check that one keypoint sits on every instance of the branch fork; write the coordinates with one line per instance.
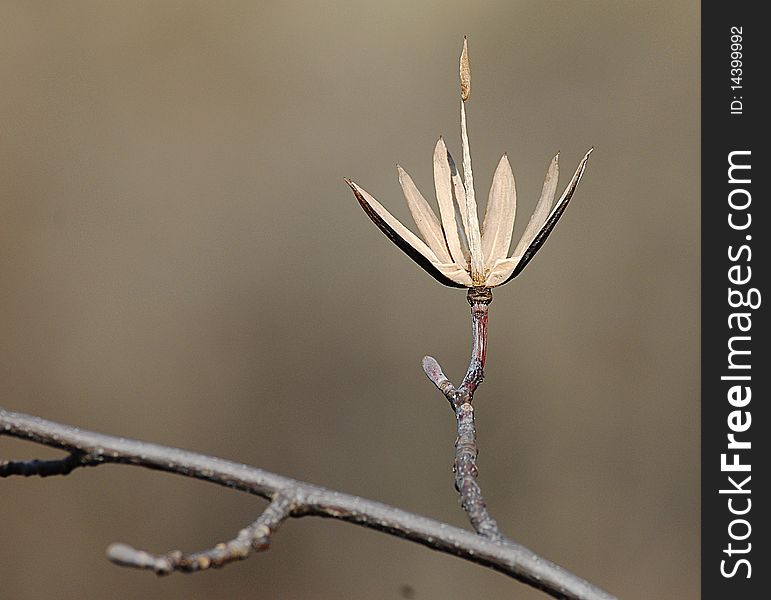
(288, 497)
(460, 399)
(291, 498)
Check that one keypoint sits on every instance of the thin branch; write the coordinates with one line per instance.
(460, 399)
(506, 557)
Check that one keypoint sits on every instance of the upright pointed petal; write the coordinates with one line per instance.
(472, 217)
(507, 269)
(460, 206)
(499, 218)
(542, 209)
(443, 183)
(407, 241)
(424, 216)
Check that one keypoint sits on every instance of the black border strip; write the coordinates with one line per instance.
(735, 225)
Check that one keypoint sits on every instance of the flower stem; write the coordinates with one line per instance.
(479, 299)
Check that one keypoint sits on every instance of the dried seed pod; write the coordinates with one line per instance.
(465, 72)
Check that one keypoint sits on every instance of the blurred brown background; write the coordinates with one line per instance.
(176, 238)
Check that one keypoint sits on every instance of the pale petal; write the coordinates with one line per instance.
(507, 269)
(501, 270)
(499, 218)
(407, 241)
(424, 216)
(543, 207)
(454, 272)
(442, 184)
(460, 206)
(472, 218)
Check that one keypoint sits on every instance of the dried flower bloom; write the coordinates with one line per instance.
(461, 254)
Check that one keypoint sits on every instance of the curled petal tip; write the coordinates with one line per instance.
(407, 241)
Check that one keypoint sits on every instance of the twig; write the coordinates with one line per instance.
(254, 537)
(466, 448)
(45, 468)
(307, 499)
